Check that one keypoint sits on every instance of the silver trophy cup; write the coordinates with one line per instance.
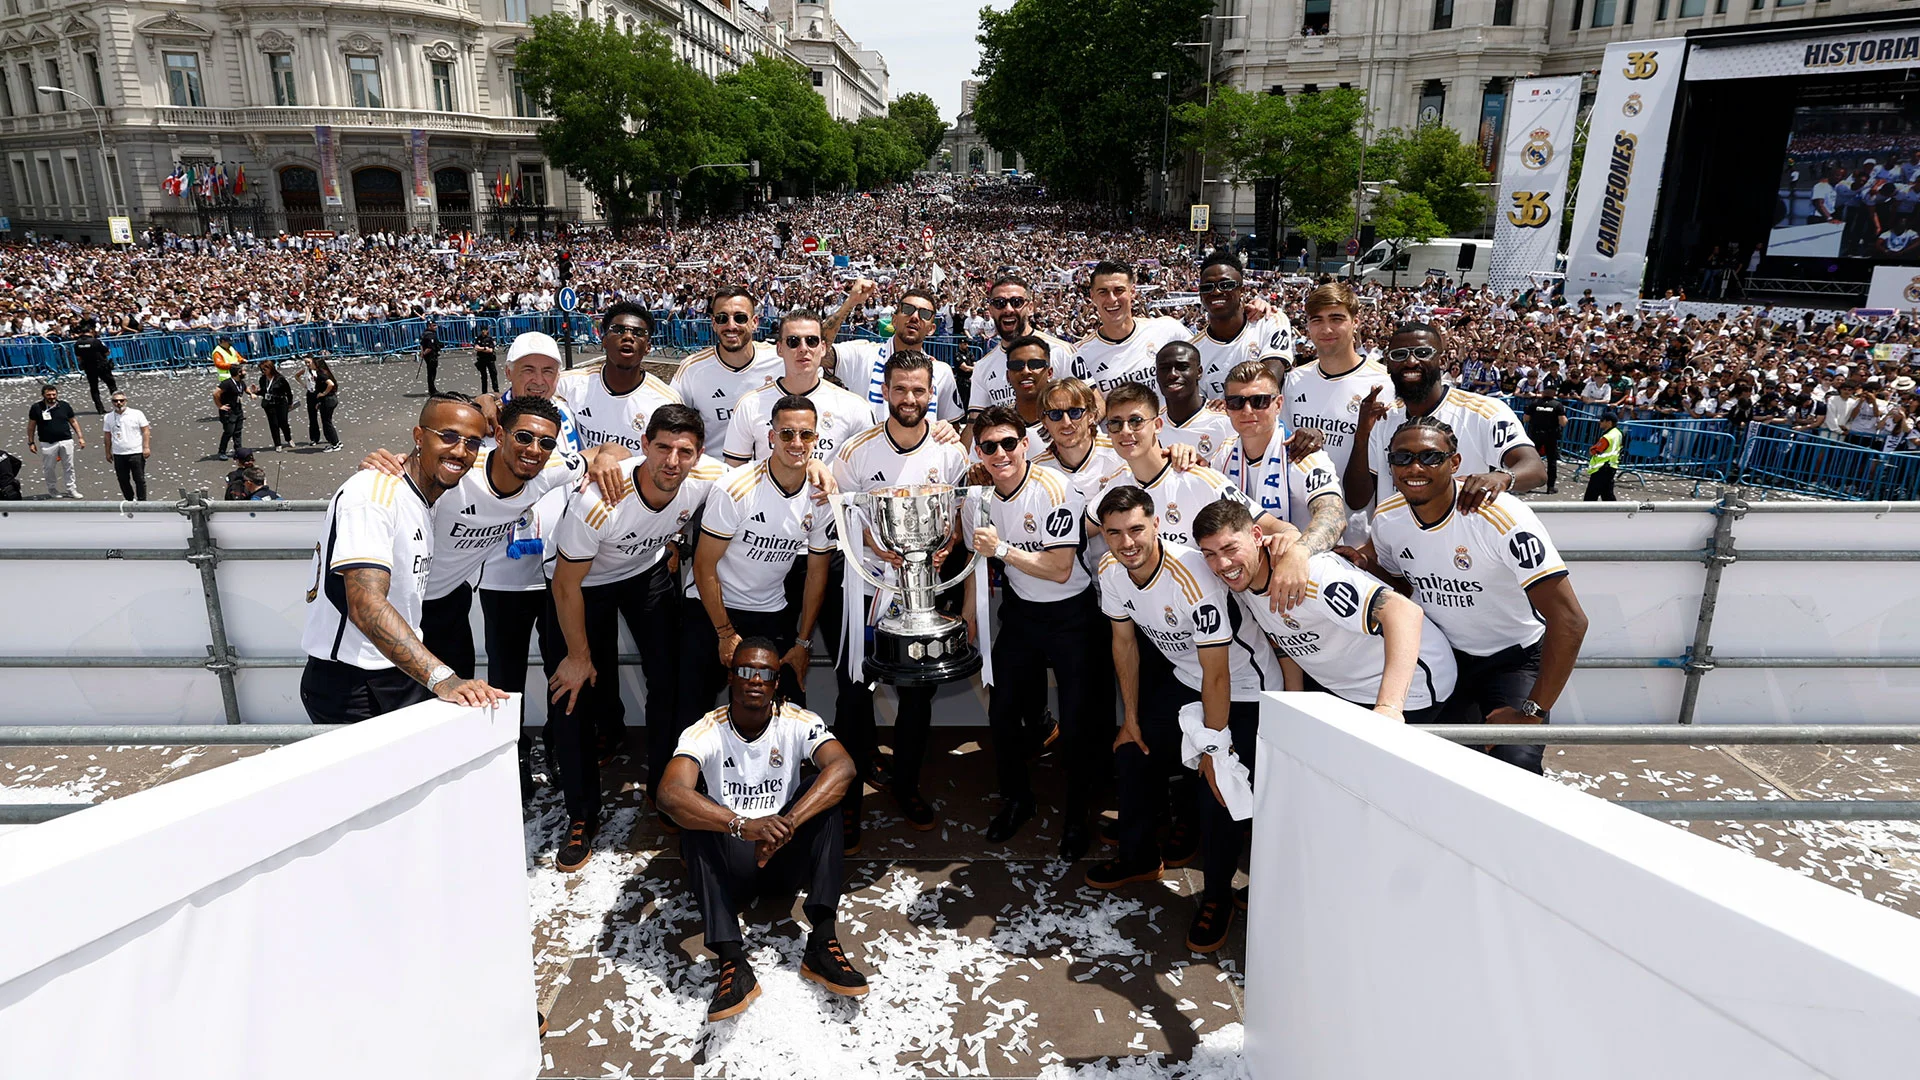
(913, 644)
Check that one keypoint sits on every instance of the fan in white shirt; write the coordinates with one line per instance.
(1123, 348)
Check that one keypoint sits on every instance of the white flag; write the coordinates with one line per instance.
(1533, 179)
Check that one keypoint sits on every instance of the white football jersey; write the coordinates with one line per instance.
(754, 779)
(528, 571)
(1486, 428)
(1471, 572)
(860, 366)
(1333, 404)
(1086, 478)
(1042, 514)
(766, 529)
(603, 416)
(873, 460)
(619, 532)
(1206, 431)
(1105, 364)
(1182, 609)
(1286, 489)
(990, 386)
(1259, 339)
(1177, 496)
(840, 416)
(473, 519)
(376, 521)
(710, 385)
(1335, 640)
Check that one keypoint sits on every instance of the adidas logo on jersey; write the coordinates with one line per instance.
(584, 412)
(471, 510)
(762, 518)
(729, 764)
(1406, 554)
(720, 393)
(879, 478)
(418, 535)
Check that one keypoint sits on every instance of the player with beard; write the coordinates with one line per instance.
(1326, 394)
(1233, 335)
(614, 403)
(860, 365)
(1180, 373)
(1013, 308)
(1123, 348)
(715, 378)
(1496, 455)
(1027, 368)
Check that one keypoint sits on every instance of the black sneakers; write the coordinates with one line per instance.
(579, 847)
(1113, 873)
(914, 809)
(1075, 838)
(1006, 824)
(1210, 923)
(828, 965)
(1183, 843)
(736, 991)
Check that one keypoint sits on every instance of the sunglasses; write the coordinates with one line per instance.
(914, 311)
(1057, 415)
(738, 318)
(999, 446)
(1429, 458)
(628, 329)
(756, 674)
(528, 438)
(811, 341)
(1417, 352)
(452, 439)
(1118, 424)
(1237, 402)
(119, 401)
(1223, 285)
(1028, 365)
(1001, 303)
(804, 435)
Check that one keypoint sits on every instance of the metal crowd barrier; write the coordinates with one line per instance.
(1788, 459)
(1688, 448)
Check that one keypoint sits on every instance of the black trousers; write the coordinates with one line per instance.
(1549, 447)
(446, 631)
(725, 878)
(1142, 782)
(277, 427)
(337, 693)
(319, 415)
(96, 376)
(433, 373)
(231, 423)
(1600, 485)
(131, 471)
(489, 374)
(512, 618)
(853, 719)
(1071, 637)
(1487, 683)
(701, 676)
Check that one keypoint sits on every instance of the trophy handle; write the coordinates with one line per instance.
(976, 492)
(840, 501)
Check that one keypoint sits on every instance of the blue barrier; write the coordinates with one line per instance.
(1696, 448)
(1786, 459)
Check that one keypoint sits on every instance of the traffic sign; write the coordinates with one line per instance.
(1200, 218)
(810, 244)
(1353, 245)
(569, 299)
(926, 232)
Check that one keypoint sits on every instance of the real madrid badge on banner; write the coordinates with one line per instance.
(1533, 179)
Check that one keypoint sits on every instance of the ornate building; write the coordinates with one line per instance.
(853, 80)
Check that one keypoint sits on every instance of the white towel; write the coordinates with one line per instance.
(1229, 772)
(982, 587)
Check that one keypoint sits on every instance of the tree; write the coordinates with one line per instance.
(1308, 144)
(628, 116)
(1402, 218)
(922, 119)
(884, 151)
(770, 113)
(1434, 163)
(1068, 85)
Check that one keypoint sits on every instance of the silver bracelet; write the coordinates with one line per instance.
(734, 826)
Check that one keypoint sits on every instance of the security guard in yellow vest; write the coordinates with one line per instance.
(1604, 460)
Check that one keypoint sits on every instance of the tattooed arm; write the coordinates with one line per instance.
(373, 615)
(1328, 524)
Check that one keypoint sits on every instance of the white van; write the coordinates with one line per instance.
(1462, 260)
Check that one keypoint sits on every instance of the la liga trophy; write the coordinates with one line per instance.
(913, 644)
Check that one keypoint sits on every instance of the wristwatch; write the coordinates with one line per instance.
(1531, 708)
(1000, 549)
(440, 673)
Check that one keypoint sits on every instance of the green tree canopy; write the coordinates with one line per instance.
(884, 151)
(770, 113)
(1405, 217)
(1068, 85)
(1434, 163)
(922, 120)
(1309, 144)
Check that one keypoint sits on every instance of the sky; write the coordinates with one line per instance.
(929, 47)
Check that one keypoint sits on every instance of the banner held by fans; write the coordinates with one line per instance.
(1620, 180)
(1533, 179)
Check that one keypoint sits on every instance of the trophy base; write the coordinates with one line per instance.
(894, 660)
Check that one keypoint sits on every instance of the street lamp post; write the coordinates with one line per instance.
(100, 129)
(1166, 118)
(1209, 94)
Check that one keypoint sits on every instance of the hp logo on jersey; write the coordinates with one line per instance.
(1343, 598)
(1528, 550)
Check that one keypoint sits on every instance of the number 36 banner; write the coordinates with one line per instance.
(1620, 179)
(1533, 179)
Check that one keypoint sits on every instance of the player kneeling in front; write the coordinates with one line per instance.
(758, 828)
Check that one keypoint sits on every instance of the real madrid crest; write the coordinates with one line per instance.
(1632, 106)
(933, 475)
(1538, 151)
(806, 523)
(1462, 560)
(773, 756)
(1206, 446)
(1292, 623)
(1353, 404)
(1172, 619)
(640, 423)
(1029, 524)
(1912, 291)
(684, 515)
(1173, 512)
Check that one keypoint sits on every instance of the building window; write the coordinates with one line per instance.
(6, 98)
(1503, 12)
(1603, 12)
(443, 86)
(523, 102)
(183, 79)
(113, 179)
(1318, 17)
(1443, 14)
(50, 194)
(1788, 3)
(1433, 103)
(819, 78)
(1576, 14)
(1692, 9)
(76, 191)
(1660, 12)
(1627, 18)
(280, 73)
(516, 11)
(533, 183)
(26, 86)
(93, 78)
(1719, 7)
(53, 80)
(22, 191)
(363, 82)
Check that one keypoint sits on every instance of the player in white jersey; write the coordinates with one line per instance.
(615, 565)
(370, 568)
(1354, 637)
(1302, 490)
(715, 378)
(802, 348)
(860, 365)
(1325, 395)
(1049, 618)
(1496, 454)
(1189, 421)
(1167, 592)
(901, 451)
(1123, 348)
(1075, 446)
(1233, 334)
(759, 829)
(1027, 367)
(1489, 576)
(760, 523)
(1011, 302)
(614, 403)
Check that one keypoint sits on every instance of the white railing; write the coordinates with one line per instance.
(303, 117)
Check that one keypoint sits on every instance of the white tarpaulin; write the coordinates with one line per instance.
(1896, 287)
(1533, 179)
(1835, 50)
(1627, 136)
(354, 905)
(1419, 909)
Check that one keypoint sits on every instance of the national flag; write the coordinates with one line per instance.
(240, 181)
